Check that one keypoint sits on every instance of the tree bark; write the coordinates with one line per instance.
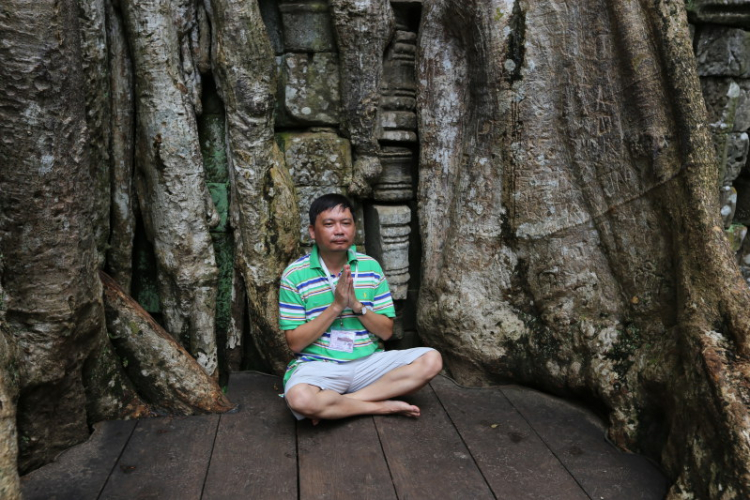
(95, 67)
(555, 137)
(46, 237)
(263, 207)
(175, 202)
(363, 30)
(163, 371)
(122, 126)
(10, 485)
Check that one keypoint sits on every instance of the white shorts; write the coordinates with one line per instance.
(351, 376)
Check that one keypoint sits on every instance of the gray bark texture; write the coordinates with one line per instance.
(263, 207)
(122, 126)
(567, 216)
(174, 200)
(363, 30)
(46, 237)
(93, 35)
(10, 487)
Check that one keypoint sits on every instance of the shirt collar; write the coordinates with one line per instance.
(315, 257)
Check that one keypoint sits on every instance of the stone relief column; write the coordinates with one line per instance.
(389, 219)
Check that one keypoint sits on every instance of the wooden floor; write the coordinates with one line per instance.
(504, 442)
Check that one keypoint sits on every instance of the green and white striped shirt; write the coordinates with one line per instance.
(305, 293)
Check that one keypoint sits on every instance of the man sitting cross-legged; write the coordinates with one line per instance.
(336, 309)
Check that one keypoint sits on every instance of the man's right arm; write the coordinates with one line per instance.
(307, 333)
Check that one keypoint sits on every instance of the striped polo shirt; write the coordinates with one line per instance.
(305, 293)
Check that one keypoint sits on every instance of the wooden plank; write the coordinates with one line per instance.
(577, 437)
(427, 457)
(166, 458)
(342, 459)
(512, 458)
(81, 471)
(255, 455)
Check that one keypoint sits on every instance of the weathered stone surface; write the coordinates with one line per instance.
(317, 159)
(736, 156)
(269, 10)
(728, 204)
(308, 89)
(736, 233)
(307, 26)
(722, 97)
(395, 181)
(723, 51)
(388, 231)
(728, 12)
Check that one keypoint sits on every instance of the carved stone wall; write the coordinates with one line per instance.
(722, 48)
(320, 159)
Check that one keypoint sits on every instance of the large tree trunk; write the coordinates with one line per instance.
(46, 237)
(10, 488)
(263, 204)
(555, 139)
(175, 202)
(122, 126)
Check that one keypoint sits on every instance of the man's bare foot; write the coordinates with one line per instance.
(400, 408)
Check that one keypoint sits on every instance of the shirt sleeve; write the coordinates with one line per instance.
(291, 307)
(383, 303)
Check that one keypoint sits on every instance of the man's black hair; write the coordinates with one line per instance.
(327, 202)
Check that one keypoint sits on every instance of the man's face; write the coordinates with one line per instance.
(333, 230)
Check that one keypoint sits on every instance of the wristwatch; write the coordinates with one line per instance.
(363, 311)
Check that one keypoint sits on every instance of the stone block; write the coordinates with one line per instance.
(306, 195)
(722, 98)
(308, 90)
(306, 26)
(220, 196)
(723, 51)
(320, 159)
(736, 156)
(736, 235)
(395, 181)
(727, 12)
(728, 201)
(742, 113)
(388, 229)
(399, 136)
(398, 120)
(269, 11)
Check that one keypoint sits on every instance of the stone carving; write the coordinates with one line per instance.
(306, 26)
(728, 12)
(388, 241)
(398, 119)
(308, 89)
(395, 182)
